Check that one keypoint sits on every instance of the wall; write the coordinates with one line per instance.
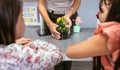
(88, 11)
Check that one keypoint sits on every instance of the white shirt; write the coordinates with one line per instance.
(59, 5)
(40, 55)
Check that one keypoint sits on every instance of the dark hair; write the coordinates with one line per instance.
(113, 15)
(9, 12)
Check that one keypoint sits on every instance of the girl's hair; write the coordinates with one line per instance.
(113, 15)
(9, 12)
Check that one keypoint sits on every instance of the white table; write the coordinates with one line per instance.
(62, 44)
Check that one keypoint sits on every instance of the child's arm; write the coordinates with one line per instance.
(40, 55)
(105, 41)
(51, 53)
(94, 46)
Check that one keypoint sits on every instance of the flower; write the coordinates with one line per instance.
(61, 23)
(59, 19)
(78, 20)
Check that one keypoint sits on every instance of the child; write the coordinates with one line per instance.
(38, 55)
(106, 42)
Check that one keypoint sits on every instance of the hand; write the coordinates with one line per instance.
(68, 22)
(54, 33)
(24, 41)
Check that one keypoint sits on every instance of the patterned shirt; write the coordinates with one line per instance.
(112, 31)
(40, 55)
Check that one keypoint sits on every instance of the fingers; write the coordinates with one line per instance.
(23, 41)
(27, 43)
(55, 35)
(68, 22)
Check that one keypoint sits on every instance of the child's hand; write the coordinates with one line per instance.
(24, 41)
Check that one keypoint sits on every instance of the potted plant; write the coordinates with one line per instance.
(77, 27)
(62, 28)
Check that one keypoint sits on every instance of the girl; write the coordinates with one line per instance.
(38, 55)
(104, 46)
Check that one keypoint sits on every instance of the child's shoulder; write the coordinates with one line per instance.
(109, 24)
(108, 27)
(10, 45)
(13, 46)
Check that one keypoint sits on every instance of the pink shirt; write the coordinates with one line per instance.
(112, 31)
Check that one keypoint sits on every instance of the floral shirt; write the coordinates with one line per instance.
(40, 55)
(112, 31)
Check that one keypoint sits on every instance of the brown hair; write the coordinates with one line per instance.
(9, 12)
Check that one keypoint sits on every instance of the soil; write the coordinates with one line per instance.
(64, 34)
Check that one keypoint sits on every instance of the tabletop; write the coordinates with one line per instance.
(84, 34)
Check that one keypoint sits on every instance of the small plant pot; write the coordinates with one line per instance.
(76, 28)
(63, 34)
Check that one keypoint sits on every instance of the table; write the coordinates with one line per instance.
(84, 34)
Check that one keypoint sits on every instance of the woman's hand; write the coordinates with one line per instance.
(24, 41)
(54, 33)
(68, 22)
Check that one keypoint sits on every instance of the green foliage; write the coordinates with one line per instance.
(61, 24)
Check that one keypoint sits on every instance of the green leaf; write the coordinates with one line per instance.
(61, 25)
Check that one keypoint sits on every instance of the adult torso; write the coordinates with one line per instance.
(59, 5)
